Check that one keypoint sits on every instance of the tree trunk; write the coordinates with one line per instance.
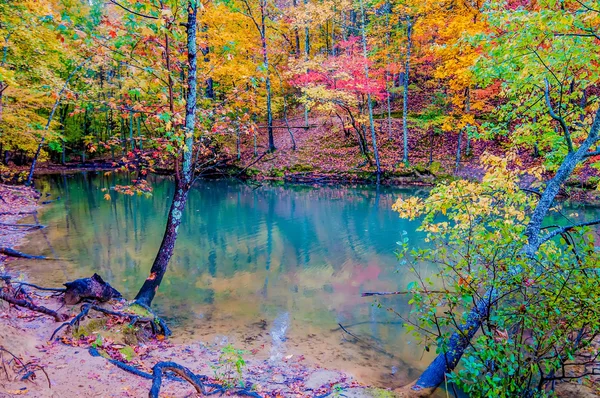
(165, 251)
(263, 34)
(3, 85)
(139, 132)
(183, 179)
(131, 141)
(306, 37)
(287, 124)
(405, 91)
(458, 151)
(467, 111)
(369, 102)
(431, 146)
(170, 78)
(387, 76)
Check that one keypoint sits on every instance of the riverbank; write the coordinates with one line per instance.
(65, 367)
(324, 154)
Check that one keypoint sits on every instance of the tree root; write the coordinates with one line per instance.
(157, 325)
(7, 251)
(28, 368)
(58, 317)
(8, 280)
(197, 381)
(175, 372)
(122, 365)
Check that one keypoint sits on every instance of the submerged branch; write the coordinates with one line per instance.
(7, 251)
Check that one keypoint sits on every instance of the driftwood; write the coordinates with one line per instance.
(93, 288)
(367, 294)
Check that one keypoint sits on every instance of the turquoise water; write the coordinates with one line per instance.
(272, 269)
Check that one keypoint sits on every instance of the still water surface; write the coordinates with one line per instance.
(272, 269)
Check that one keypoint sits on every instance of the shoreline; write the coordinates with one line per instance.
(72, 371)
(578, 193)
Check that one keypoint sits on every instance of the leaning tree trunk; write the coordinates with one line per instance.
(183, 179)
(165, 251)
(445, 362)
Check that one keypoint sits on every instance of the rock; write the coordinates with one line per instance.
(321, 378)
(571, 390)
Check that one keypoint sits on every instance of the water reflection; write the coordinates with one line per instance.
(259, 266)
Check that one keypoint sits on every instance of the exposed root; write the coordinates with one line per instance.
(12, 299)
(157, 325)
(19, 367)
(122, 365)
(8, 280)
(197, 381)
(58, 317)
(174, 371)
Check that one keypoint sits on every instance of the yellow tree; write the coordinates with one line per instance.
(33, 33)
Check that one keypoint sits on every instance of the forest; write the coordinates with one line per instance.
(299, 198)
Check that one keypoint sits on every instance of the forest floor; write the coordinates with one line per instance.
(69, 370)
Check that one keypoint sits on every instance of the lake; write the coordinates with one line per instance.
(273, 269)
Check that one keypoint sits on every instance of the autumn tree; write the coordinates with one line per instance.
(340, 84)
(24, 27)
(545, 72)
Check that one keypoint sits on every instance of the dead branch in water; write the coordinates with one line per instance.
(30, 226)
(8, 280)
(367, 294)
(7, 251)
